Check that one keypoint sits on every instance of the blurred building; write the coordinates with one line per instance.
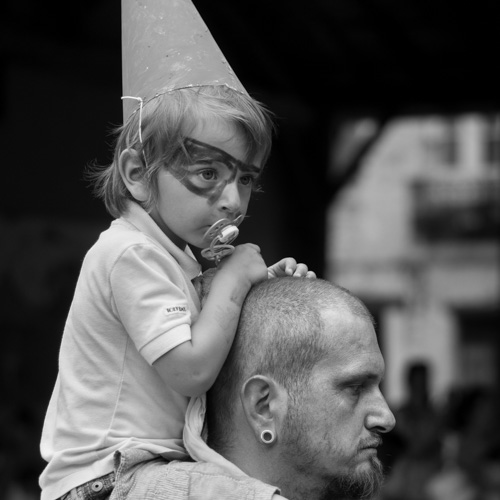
(416, 236)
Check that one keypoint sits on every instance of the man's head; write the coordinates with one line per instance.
(306, 366)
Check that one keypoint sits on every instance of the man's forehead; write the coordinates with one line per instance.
(351, 366)
(342, 322)
(349, 336)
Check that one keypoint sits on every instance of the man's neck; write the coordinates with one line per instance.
(270, 469)
(297, 487)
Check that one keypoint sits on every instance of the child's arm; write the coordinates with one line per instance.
(191, 367)
(289, 267)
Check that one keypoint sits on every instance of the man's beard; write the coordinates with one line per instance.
(356, 485)
(348, 485)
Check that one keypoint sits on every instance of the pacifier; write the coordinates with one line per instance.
(221, 234)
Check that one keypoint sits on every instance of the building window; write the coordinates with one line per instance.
(449, 142)
(442, 141)
(492, 140)
(456, 209)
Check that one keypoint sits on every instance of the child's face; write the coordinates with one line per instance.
(212, 183)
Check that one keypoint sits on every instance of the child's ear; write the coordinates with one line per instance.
(132, 172)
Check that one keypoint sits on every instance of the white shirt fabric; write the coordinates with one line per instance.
(134, 301)
(202, 453)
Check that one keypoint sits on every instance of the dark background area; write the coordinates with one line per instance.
(316, 64)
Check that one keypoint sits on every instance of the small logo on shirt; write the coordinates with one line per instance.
(175, 309)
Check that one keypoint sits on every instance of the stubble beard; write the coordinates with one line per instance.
(349, 485)
(355, 485)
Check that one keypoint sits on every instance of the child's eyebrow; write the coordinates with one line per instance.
(195, 147)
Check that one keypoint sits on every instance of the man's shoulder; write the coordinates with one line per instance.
(213, 482)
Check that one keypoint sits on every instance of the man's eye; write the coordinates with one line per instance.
(356, 389)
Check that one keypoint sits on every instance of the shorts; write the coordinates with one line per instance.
(128, 465)
(141, 475)
(97, 489)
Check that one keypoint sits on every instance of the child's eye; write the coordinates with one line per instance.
(208, 175)
(247, 180)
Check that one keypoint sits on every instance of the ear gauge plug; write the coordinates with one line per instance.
(267, 436)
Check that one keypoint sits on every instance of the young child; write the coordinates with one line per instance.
(136, 345)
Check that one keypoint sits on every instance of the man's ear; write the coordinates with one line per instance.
(132, 172)
(264, 403)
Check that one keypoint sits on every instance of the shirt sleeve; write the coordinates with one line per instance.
(150, 299)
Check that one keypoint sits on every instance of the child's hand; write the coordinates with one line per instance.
(245, 263)
(289, 267)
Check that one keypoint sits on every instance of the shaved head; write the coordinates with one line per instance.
(280, 334)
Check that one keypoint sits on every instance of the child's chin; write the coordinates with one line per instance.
(199, 244)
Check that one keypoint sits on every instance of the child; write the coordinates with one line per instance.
(136, 346)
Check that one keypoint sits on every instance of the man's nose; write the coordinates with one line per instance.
(380, 418)
(230, 201)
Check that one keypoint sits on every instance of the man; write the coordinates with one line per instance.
(296, 412)
(297, 404)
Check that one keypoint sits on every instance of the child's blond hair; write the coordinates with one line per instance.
(163, 124)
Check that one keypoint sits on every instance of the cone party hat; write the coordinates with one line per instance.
(166, 46)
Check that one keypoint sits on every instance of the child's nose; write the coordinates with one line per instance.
(229, 200)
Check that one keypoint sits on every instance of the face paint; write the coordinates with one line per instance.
(206, 170)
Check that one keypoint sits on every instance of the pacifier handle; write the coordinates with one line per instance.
(221, 234)
(216, 227)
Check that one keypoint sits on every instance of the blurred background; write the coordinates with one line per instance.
(385, 177)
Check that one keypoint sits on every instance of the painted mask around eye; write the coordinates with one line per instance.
(206, 170)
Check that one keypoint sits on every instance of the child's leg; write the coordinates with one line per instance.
(97, 489)
(140, 475)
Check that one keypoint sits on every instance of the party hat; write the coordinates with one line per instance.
(166, 46)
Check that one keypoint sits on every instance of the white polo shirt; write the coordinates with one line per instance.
(134, 301)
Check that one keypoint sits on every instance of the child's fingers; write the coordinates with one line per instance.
(290, 265)
(300, 271)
